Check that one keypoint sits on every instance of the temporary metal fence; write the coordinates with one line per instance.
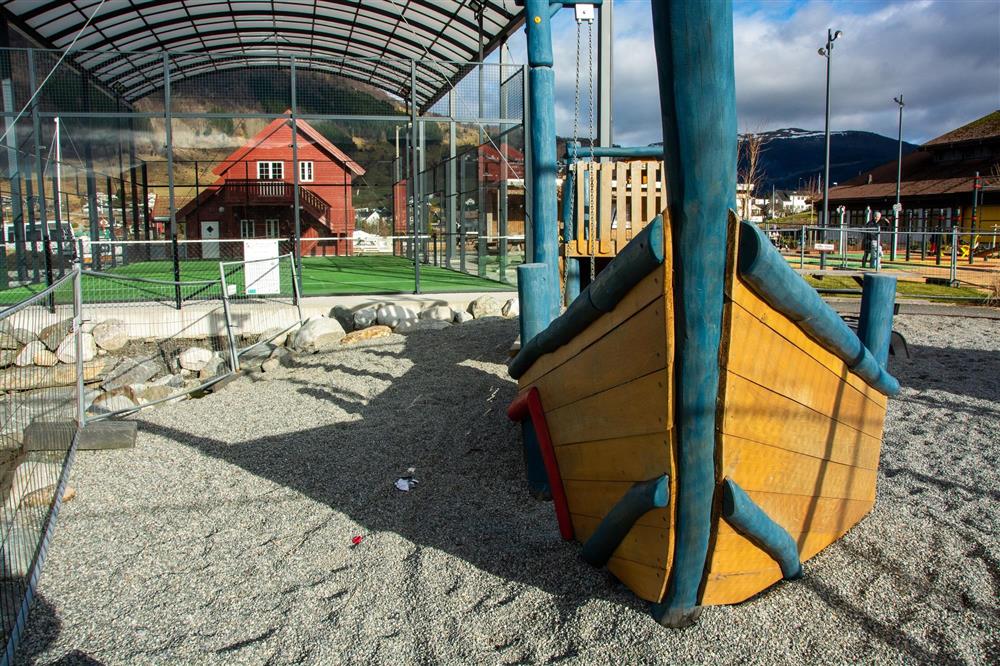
(262, 302)
(41, 415)
(939, 256)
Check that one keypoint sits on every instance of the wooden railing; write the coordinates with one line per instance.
(264, 192)
(623, 196)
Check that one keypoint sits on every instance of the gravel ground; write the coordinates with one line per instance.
(226, 535)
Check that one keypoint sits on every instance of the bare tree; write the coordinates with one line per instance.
(749, 173)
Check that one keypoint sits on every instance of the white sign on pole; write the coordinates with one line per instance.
(261, 268)
(824, 247)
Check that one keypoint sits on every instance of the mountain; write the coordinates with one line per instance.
(791, 155)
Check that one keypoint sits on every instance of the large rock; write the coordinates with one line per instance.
(112, 403)
(8, 341)
(27, 355)
(142, 394)
(511, 308)
(437, 313)
(195, 358)
(484, 306)
(176, 381)
(66, 351)
(111, 335)
(270, 365)
(462, 317)
(365, 317)
(130, 371)
(22, 335)
(278, 335)
(8, 356)
(44, 358)
(33, 377)
(319, 333)
(216, 366)
(54, 334)
(369, 333)
(393, 315)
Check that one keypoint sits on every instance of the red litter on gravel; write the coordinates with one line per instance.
(355, 540)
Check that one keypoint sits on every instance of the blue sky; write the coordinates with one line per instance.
(943, 55)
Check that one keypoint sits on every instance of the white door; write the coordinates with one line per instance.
(209, 233)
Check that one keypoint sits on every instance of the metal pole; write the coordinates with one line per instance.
(954, 256)
(29, 197)
(605, 73)
(144, 171)
(976, 188)
(802, 248)
(81, 412)
(168, 124)
(36, 126)
(415, 176)
(111, 223)
(57, 202)
(134, 185)
(843, 237)
(296, 211)
(827, 53)
(899, 175)
(95, 232)
(234, 358)
(296, 294)
(452, 177)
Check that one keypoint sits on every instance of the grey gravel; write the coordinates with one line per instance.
(225, 536)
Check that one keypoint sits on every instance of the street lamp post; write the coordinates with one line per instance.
(897, 209)
(827, 52)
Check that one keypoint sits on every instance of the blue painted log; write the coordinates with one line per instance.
(769, 275)
(750, 520)
(642, 254)
(574, 150)
(878, 298)
(572, 287)
(694, 54)
(531, 279)
(541, 95)
(640, 499)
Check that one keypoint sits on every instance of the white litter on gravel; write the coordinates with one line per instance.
(227, 536)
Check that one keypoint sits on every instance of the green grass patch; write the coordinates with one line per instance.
(904, 288)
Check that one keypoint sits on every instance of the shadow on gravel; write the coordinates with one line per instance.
(44, 626)
(448, 420)
(973, 373)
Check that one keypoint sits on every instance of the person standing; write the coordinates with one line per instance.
(870, 241)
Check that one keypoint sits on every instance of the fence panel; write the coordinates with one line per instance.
(40, 413)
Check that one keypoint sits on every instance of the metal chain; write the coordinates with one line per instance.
(590, 137)
(570, 173)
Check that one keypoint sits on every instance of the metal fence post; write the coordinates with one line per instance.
(234, 359)
(168, 127)
(296, 296)
(954, 256)
(415, 176)
(802, 248)
(81, 411)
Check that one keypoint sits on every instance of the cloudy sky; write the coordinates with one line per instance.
(943, 55)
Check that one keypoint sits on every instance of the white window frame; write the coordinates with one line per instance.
(247, 224)
(306, 171)
(271, 227)
(270, 170)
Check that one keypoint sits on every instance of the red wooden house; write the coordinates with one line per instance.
(253, 196)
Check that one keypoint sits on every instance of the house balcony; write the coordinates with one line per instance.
(274, 193)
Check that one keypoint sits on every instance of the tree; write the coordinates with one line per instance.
(749, 172)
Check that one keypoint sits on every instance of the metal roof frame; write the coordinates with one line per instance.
(385, 33)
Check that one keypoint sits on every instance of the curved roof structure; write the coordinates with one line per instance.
(366, 40)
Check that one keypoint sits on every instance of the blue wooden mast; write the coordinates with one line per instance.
(694, 57)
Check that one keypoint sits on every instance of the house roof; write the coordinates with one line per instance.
(302, 126)
(922, 176)
(982, 129)
(122, 43)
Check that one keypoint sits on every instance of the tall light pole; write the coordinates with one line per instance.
(898, 208)
(827, 52)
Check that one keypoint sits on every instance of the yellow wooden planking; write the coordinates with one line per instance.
(638, 407)
(652, 207)
(756, 466)
(596, 498)
(582, 176)
(634, 458)
(637, 347)
(643, 544)
(732, 588)
(780, 324)
(646, 582)
(759, 414)
(636, 220)
(648, 289)
(759, 354)
(606, 172)
(799, 513)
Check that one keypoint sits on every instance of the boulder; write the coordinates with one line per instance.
(344, 316)
(66, 351)
(45, 358)
(462, 317)
(216, 366)
(393, 315)
(369, 333)
(365, 317)
(278, 335)
(22, 335)
(130, 371)
(111, 335)
(8, 356)
(195, 358)
(511, 308)
(484, 306)
(270, 365)
(146, 393)
(54, 334)
(8, 341)
(27, 355)
(437, 313)
(411, 325)
(175, 381)
(318, 333)
(112, 403)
